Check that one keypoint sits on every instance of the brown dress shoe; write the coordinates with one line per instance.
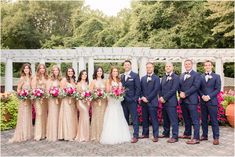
(163, 136)
(155, 139)
(185, 137)
(134, 140)
(203, 138)
(193, 141)
(216, 142)
(172, 140)
(143, 136)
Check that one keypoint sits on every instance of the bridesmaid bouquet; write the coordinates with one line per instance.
(118, 93)
(86, 96)
(37, 93)
(69, 91)
(99, 94)
(54, 92)
(24, 94)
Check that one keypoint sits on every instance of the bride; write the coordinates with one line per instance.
(115, 128)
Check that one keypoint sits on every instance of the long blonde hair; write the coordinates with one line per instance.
(38, 76)
(52, 76)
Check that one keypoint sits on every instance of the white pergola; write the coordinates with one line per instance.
(138, 55)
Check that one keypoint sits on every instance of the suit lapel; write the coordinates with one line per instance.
(164, 80)
(123, 79)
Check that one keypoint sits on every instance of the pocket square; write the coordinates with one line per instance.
(130, 79)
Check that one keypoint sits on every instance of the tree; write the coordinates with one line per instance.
(222, 18)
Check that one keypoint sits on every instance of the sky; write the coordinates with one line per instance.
(108, 7)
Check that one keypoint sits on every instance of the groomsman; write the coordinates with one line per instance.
(189, 88)
(210, 87)
(150, 85)
(131, 82)
(168, 91)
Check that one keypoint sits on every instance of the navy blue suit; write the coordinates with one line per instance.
(211, 88)
(168, 91)
(190, 87)
(150, 90)
(130, 102)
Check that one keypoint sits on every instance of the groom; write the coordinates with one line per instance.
(131, 82)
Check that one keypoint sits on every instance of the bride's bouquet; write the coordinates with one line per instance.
(54, 92)
(37, 93)
(117, 93)
(24, 94)
(99, 94)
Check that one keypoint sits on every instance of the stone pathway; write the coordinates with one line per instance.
(143, 148)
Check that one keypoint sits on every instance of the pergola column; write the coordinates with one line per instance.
(134, 64)
(8, 75)
(33, 68)
(195, 66)
(142, 70)
(182, 66)
(82, 64)
(90, 67)
(220, 70)
(75, 66)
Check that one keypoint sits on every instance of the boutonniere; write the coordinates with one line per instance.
(168, 78)
(188, 76)
(149, 79)
(210, 77)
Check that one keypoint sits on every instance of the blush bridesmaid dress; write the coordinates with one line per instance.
(98, 110)
(83, 131)
(68, 118)
(41, 113)
(53, 114)
(24, 127)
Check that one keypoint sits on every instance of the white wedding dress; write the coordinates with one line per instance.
(115, 128)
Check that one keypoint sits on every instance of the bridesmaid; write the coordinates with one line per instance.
(83, 107)
(53, 105)
(40, 81)
(24, 128)
(68, 112)
(98, 106)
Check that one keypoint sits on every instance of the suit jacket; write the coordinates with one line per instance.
(190, 87)
(132, 84)
(150, 89)
(168, 90)
(212, 87)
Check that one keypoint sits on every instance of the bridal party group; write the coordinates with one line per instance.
(63, 104)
